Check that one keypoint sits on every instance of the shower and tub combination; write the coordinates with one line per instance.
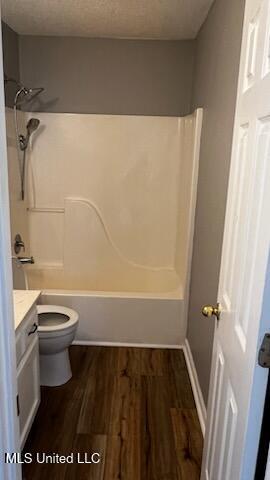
(108, 217)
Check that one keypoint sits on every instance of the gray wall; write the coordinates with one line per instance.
(109, 76)
(215, 88)
(11, 61)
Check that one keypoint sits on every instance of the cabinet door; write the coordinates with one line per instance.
(28, 388)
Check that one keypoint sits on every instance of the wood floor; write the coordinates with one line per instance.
(133, 406)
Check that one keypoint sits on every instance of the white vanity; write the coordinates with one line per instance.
(27, 353)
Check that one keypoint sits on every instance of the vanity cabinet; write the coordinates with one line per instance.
(28, 383)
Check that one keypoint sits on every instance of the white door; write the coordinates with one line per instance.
(244, 257)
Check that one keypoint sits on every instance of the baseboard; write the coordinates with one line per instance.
(125, 344)
(198, 397)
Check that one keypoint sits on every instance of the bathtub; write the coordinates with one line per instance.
(124, 318)
(125, 307)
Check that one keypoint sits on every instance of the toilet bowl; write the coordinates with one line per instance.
(56, 330)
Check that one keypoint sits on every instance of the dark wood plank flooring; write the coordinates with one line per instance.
(133, 406)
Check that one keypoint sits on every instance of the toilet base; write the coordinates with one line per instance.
(55, 369)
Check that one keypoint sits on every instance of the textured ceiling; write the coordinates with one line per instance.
(153, 19)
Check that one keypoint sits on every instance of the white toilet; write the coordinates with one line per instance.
(56, 329)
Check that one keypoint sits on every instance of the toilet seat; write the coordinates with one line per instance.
(58, 328)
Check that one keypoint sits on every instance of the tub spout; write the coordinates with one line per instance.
(25, 260)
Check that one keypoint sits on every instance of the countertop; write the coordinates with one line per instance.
(23, 301)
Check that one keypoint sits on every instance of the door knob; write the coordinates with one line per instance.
(212, 310)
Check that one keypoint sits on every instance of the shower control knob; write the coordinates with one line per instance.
(18, 244)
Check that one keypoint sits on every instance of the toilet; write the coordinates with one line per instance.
(56, 330)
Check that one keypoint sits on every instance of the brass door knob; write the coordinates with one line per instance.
(211, 310)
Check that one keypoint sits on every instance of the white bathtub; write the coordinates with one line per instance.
(135, 319)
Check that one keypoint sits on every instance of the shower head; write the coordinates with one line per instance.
(23, 93)
(32, 125)
(29, 94)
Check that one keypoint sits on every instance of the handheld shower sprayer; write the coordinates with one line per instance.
(31, 126)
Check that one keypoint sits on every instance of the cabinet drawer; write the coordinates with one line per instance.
(26, 333)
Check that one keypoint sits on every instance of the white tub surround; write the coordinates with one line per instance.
(23, 301)
(111, 203)
(115, 193)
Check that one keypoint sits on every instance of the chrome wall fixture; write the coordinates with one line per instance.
(23, 95)
(18, 246)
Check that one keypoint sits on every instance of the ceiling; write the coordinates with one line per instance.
(142, 19)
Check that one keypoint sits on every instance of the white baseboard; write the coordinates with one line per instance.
(125, 344)
(198, 397)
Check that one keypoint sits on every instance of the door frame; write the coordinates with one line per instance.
(9, 425)
(258, 392)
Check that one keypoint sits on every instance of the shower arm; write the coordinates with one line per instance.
(8, 79)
